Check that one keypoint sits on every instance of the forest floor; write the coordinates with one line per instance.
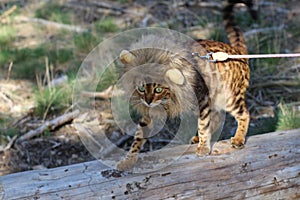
(274, 90)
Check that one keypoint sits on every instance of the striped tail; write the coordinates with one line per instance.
(234, 32)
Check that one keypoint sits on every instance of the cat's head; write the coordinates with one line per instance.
(151, 94)
(152, 82)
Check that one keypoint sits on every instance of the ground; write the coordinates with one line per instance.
(62, 145)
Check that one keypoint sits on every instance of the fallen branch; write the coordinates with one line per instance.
(106, 94)
(51, 125)
(20, 122)
(96, 6)
(8, 12)
(51, 23)
(10, 143)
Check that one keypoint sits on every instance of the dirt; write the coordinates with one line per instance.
(45, 152)
(58, 148)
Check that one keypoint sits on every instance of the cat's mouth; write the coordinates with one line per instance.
(152, 104)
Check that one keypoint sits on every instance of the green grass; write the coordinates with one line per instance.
(5, 126)
(7, 36)
(108, 78)
(54, 12)
(52, 100)
(218, 34)
(244, 20)
(289, 118)
(106, 26)
(85, 42)
(8, 132)
(28, 62)
(60, 55)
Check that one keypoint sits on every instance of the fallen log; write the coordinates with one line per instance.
(96, 7)
(267, 168)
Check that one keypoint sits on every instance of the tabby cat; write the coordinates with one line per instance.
(180, 73)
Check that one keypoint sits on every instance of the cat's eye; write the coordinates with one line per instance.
(158, 90)
(141, 88)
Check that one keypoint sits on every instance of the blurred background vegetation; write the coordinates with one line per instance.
(43, 41)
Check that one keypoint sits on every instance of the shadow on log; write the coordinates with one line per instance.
(267, 168)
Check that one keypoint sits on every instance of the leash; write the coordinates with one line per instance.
(222, 56)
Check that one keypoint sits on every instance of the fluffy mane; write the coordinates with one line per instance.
(158, 57)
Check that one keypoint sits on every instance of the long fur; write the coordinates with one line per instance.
(156, 55)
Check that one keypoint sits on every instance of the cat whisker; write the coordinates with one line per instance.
(135, 103)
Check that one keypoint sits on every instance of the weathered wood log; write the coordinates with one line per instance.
(267, 168)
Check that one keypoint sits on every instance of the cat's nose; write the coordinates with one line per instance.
(148, 101)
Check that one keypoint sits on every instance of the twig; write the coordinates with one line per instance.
(259, 101)
(11, 142)
(51, 125)
(52, 24)
(7, 99)
(9, 71)
(106, 94)
(22, 120)
(8, 12)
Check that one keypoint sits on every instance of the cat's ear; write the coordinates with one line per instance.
(176, 76)
(126, 57)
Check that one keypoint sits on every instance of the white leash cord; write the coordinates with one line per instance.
(221, 56)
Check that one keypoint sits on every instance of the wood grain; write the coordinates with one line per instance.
(267, 168)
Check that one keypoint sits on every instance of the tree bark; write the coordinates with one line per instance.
(267, 168)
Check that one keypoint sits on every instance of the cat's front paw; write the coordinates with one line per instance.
(237, 142)
(126, 164)
(203, 150)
